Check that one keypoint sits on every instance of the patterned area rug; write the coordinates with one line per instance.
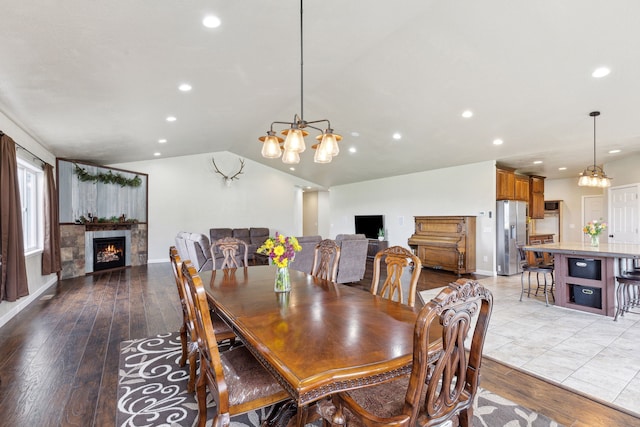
(152, 391)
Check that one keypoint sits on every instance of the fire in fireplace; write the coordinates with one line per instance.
(108, 252)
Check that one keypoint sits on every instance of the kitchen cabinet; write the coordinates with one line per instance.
(521, 188)
(536, 197)
(505, 184)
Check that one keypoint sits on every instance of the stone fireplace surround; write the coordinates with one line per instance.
(75, 239)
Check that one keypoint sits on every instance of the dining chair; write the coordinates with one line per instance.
(325, 260)
(538, 268)
(397, 259)
(188, 337)
(232, 253)
(237, 382)
(443, 383)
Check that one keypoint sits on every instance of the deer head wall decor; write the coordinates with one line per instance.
(227, 179)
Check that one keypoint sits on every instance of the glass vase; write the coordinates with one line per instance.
(283, 281)
(595, 240)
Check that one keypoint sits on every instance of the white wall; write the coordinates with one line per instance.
(37, 282)
(624, 171)
(465, 190)
(185, 194)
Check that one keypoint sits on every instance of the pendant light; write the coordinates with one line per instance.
(294, 144)
(593, 175)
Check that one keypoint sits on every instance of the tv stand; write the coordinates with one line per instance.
(376, 246)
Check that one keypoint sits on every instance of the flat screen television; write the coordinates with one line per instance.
(369, 225)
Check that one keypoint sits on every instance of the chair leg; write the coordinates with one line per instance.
(193, 353)
(183, 344)
(546, 294)
(620, 300)
(466, 417)
(201, 397)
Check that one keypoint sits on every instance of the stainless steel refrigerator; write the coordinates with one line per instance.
(511, 227)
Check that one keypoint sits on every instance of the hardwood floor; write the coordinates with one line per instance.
(59, 356)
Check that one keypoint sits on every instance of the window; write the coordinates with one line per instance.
(30, 181)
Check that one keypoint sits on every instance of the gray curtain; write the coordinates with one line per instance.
(13, 282)
(51, 262)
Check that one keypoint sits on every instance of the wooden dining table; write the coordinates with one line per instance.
(317, 339)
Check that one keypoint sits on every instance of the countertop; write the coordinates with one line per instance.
(613, 250)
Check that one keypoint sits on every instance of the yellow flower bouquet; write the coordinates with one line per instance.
(281, 250)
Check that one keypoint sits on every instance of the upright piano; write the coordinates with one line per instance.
(446, 242)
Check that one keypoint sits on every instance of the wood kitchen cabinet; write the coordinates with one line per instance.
(521, 188)
(536, 197)
(505, 184)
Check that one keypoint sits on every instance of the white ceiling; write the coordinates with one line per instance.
(94, 80)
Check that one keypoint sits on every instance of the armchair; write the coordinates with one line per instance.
(353, 257)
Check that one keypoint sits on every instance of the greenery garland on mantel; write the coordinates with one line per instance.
(107, 178)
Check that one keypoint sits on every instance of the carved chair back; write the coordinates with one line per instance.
(250, 387)
(396, 259)
(443, 384)
(188, 337)
(325, 260)
(231, 248)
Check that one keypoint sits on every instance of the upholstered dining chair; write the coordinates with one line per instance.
(325, 260)
(397, 259)
(234, 253)
(238, 383)
(188, 337)
(443, 383)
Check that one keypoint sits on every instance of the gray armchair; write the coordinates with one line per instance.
(353, 257)
(196, 248)
(304, 259)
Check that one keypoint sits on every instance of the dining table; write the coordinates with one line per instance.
(320, 337)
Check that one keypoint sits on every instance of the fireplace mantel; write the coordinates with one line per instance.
(102, 226)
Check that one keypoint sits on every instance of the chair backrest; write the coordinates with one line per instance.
(210, 362)
(353, 257)
(231, 249)
(187, 311)
(452, 381)
(325, 260)
(396, 259)
(303, 260)
(522, 255)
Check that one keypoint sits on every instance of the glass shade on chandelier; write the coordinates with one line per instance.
(271, 145)
(593, 175)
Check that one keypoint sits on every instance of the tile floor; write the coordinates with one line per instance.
(588, 353)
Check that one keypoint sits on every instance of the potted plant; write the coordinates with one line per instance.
(381, 234)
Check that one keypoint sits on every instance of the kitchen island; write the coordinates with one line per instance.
(585, 275)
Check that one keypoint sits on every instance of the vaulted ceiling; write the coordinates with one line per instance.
(95, 80)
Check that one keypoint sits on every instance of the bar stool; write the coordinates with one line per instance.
(535, 268)
(628, 291)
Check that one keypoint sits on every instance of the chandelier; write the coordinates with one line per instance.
(593, 175)
(327, 145)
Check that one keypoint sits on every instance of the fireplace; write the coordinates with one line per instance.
(109, 252)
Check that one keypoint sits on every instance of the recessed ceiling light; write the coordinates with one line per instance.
(292, 168)
(352, 150)
(171, 119)
(537, 162)
(157, 154)
(211, 21)
(614, 151)
(467, 113)
(397, 136)
(162, 141)
(498, 142)
(600, 72)
(562, 169)
(355, 133)
(184, 87)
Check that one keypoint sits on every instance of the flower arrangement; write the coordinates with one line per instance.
(280, 249)
(595, 227)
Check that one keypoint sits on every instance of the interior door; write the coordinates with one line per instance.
(592, 209)
(623, 224)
